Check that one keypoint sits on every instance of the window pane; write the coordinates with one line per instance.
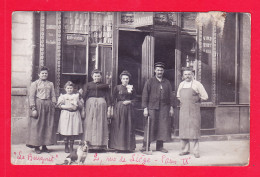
(68, 56)
(80, 60)
(74, 59)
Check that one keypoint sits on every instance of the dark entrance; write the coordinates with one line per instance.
(164, 51)
(130, 56)
(137, 53)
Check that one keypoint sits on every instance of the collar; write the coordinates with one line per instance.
(189, 82)
(44, 81)
(163, 79)
(96, 82)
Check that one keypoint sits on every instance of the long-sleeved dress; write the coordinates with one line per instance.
(122, 132)
(70, 121)
(95, 125)
(41, 130)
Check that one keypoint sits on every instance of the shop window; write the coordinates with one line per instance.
(228, 64)
(188, 51)
(74, 59)
(76, 22)
(101, 27)
(74, 66)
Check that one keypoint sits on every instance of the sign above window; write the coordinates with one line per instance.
(143, 19)
(76, 39)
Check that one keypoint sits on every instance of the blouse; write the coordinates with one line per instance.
(70, 100)
(97, 90)
(196, 86)
(121, 93)
(43, 90)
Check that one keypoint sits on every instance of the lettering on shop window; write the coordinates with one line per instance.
(207, 44)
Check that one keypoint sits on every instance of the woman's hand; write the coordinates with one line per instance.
(80, 104)
(53, 104)
(73, 108)
(33, 107)
(145, 112)
(127, 102)
(109, 112)
(171, 111)
(81, 91)
(64, 107)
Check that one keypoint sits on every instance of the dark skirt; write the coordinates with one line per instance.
(41, 130)
(122, 132)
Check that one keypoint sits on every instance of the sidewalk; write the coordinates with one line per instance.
(213, 153)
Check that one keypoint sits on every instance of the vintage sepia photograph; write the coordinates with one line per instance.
(130, 88)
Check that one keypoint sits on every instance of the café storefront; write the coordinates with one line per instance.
(72, 44)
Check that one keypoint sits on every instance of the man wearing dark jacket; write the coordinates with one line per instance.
(157, 101)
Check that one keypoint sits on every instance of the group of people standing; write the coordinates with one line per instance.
(90, 110)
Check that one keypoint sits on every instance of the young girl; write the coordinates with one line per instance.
(70, 123)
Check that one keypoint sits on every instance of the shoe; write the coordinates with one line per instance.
(183, 153)
(45, 149)
(71, 145)
(144, 149)
(67, 150)
(37, 150)
(162, 150)
(197, 155)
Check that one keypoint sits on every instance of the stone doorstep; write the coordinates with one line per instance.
(229, 137)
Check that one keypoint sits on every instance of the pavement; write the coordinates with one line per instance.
(228, 152)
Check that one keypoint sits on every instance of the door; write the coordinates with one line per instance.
(136, 55)
(105, 62)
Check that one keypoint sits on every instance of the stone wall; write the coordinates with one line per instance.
(22, 60)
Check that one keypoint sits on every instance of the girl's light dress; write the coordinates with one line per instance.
(70, 121)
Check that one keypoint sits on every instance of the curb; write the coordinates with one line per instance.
(230, 137)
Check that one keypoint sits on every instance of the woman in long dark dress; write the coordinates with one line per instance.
(122, 133)
(95, 125)
(42, 99)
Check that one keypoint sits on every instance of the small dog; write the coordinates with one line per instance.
(77, 156)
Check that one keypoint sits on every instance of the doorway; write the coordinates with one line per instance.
(130, 56)
(137, 53)
(164, 51)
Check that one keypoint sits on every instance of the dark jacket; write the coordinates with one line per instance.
(97, 90)
(151, 93)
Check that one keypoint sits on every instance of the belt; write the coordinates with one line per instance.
(70, 111)
(43, 99)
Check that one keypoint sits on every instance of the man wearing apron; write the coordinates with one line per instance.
(157, 101)
(190, 93)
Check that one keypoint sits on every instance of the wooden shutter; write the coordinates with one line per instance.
(147, 58)
(105, 60)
